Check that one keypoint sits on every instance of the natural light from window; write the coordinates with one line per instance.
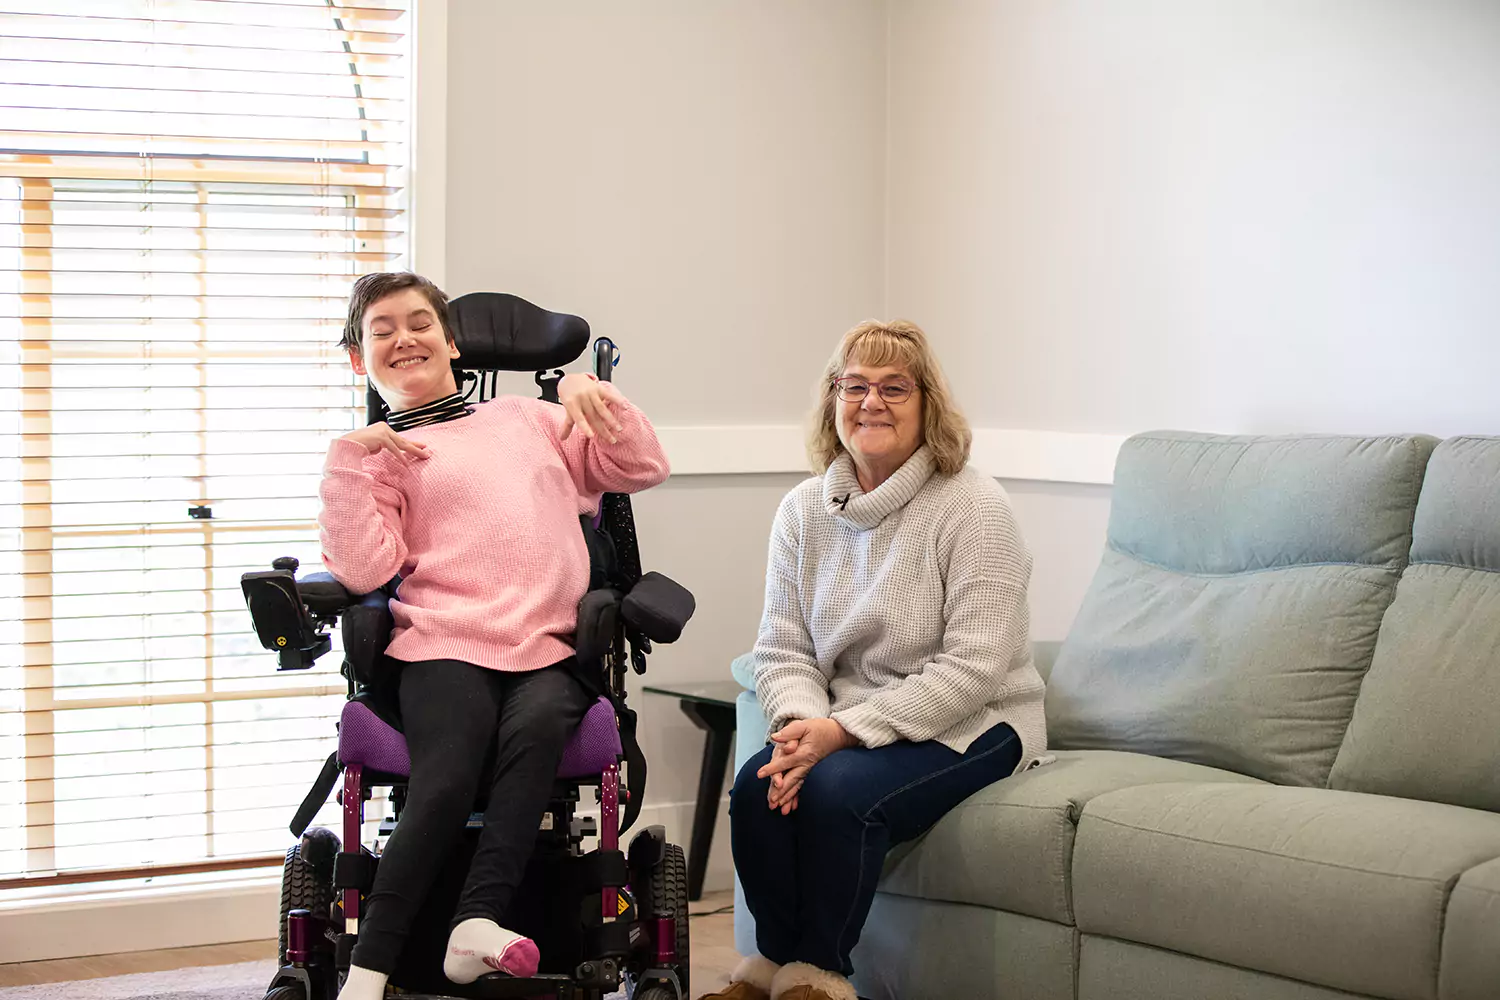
(187, 189)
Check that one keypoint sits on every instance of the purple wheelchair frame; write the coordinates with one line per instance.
(366, 740)
(370, 748)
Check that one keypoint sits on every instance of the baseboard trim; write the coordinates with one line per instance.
(1043, 456)
(140, 920)
(122, 919)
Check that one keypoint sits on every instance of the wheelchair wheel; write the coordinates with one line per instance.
(286, 993)
(668, 896)
(302, 888)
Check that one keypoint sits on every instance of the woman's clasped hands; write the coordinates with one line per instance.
(800, 744)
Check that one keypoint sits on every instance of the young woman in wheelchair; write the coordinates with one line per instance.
(475, 507)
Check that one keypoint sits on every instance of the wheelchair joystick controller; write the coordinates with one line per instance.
(286, 617)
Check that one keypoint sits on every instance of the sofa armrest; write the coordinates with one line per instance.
(742, 669)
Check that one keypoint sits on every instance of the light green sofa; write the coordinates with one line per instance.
(1277, 728)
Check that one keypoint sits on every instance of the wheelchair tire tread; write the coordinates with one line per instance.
(669, 897)
(301, 889)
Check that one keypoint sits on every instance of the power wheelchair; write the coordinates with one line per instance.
(606, 921)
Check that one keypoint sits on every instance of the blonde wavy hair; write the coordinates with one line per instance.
(897, 344)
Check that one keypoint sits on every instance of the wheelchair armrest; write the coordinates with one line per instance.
(366, 627)
(290, 615)
(598, 617)
(367, 630)
(658, 607)
(323, 596)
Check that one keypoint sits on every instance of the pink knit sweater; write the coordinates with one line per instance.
(484, 532)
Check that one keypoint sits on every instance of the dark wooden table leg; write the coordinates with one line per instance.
(717, 723)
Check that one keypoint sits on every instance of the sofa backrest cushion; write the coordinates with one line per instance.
(1238, 602)
(1427, 722)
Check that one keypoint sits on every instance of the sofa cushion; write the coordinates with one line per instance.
(1010, 846)
(915, 949)
(1334, 888)
(1121, 970)
(1471, 937)
(1237, 606)
(1427, 723)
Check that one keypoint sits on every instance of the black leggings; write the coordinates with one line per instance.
(457, 718)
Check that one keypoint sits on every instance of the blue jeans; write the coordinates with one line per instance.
(810, 877)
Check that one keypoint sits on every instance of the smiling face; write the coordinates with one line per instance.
(405, 350)
(880, 435)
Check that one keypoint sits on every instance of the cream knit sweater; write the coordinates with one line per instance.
(901, 613)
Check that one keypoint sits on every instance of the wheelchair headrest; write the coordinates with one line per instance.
(498, 331)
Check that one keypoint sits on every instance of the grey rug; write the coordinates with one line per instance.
(245, 981)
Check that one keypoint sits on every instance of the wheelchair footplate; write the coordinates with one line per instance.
(498, 987)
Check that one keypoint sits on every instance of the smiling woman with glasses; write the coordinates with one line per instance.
(893, 660)
(853, 389)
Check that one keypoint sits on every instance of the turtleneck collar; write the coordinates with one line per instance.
(843, 498)
(439, 410)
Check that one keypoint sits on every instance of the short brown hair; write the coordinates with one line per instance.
(371, 288)
(898, 342)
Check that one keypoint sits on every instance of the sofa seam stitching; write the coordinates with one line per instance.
(1442, 932)
(1450, 564)
(1477, 888)
(1430, 880)
(1231, 574)
(1245, 440)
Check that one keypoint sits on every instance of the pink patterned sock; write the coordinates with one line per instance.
(478, 947)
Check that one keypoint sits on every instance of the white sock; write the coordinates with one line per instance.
(362, 984)
(478, 947)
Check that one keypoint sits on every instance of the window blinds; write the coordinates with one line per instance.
(187, 190)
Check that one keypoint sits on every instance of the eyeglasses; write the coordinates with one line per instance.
(852, 389)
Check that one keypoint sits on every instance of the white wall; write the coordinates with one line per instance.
(1064, 526)
(1265, 215)
(1259, 216)
(704, 181)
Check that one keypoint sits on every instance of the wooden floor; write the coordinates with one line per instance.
(712, 959)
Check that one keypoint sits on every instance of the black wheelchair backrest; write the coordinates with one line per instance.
(496, 331)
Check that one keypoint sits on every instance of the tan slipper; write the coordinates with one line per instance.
(750, 980)
(800, 981)
(738, 991)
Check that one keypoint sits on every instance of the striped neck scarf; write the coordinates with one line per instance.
(436, 412)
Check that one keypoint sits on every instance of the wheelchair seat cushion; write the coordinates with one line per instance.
(368, 740)
(595, 744)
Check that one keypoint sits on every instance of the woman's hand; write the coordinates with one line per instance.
(589, 404)
(800, 744)
(379, 437)
(786, 785)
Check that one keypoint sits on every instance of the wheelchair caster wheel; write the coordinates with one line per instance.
(655, 993)
(286, 993)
